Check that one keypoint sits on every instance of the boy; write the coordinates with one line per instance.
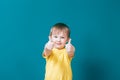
(58, 54)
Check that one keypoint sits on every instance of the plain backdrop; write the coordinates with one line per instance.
(95, 32)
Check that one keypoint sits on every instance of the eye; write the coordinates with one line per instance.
(62, 37)
(55, 36)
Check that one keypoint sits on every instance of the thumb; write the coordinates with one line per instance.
(50, 39)
(69, 42)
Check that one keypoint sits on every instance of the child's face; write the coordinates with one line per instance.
(59, 39)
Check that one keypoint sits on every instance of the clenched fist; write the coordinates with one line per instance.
(49, 45)
(69, 47)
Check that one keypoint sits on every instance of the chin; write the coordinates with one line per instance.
(59, 47)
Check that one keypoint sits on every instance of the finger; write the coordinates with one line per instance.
(50, 39)
(69, 42)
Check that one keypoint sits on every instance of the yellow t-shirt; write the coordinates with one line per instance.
(58, 65)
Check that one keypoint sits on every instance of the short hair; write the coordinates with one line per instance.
(61, 27)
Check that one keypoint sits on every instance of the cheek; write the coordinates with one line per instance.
(64, 41)
(53, 39)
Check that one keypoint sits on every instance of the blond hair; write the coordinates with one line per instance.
(60, 27)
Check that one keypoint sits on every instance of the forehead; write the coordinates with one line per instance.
(59, 32)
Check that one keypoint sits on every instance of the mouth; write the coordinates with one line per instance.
(58, 43)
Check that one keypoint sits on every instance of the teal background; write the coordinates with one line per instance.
(95, 32)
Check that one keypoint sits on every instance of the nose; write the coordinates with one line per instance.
(58, 39)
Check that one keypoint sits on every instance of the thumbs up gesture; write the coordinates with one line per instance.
(69, 47)
(49, 45)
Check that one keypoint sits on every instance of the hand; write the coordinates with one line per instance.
(49, 45)
(69, 47)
